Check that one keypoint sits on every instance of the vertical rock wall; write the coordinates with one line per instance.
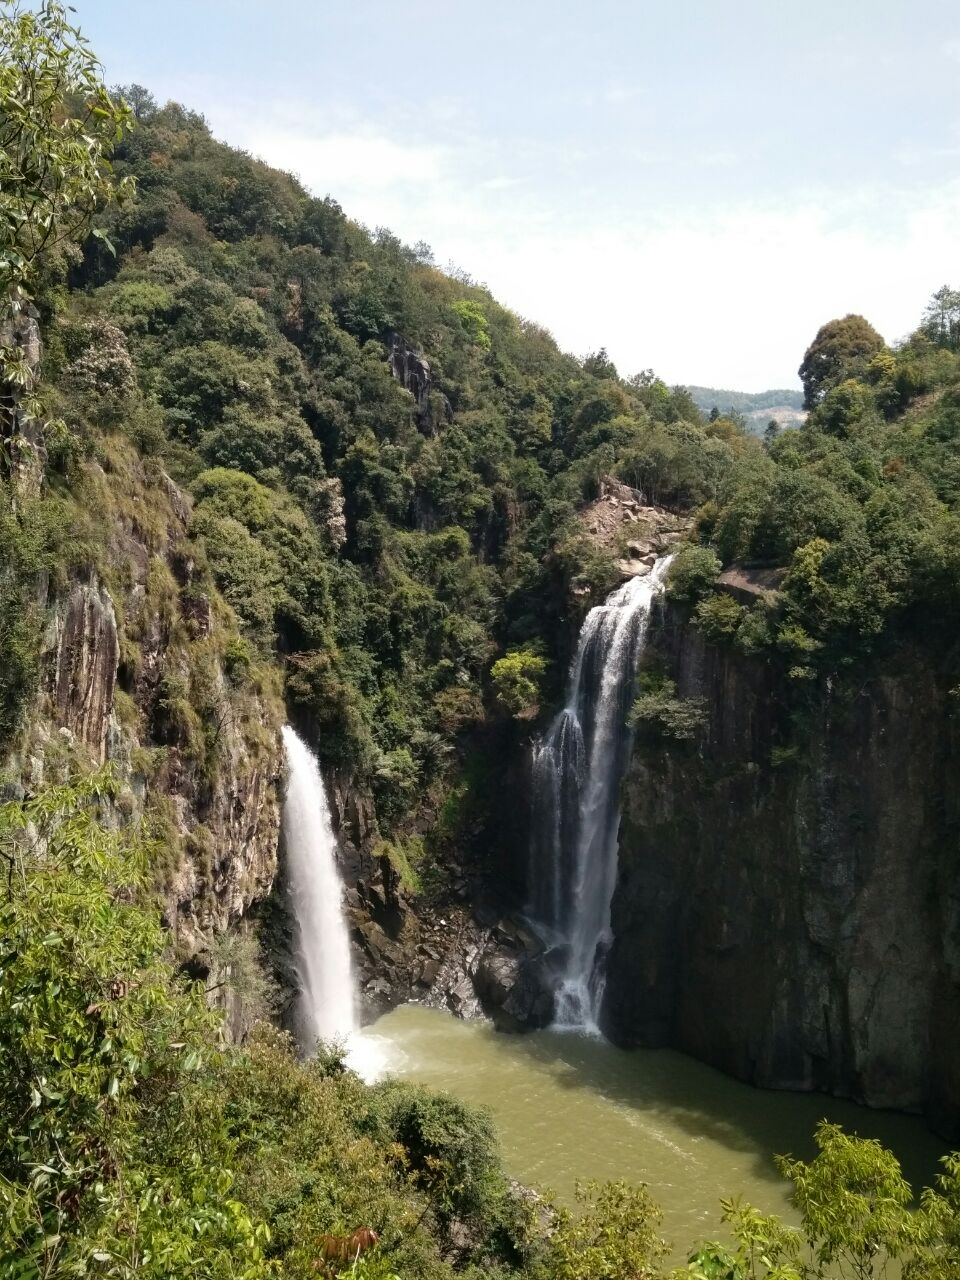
(125, 650)
(788, 905)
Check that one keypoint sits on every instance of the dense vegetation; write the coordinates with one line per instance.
(384, 549)
(859, 507)
(389, 548)
(135, 1142)
(404, 559)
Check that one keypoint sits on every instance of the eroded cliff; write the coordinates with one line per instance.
(788, 904)
(140, 670)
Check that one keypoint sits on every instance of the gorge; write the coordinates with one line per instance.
(366, 659)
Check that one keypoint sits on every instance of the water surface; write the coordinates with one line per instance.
(569, 1107)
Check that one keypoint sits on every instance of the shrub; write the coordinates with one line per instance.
(450, 1147)
(516, 679)
(719, 616)
(692, 572)
(614, 1236)
(658, 714)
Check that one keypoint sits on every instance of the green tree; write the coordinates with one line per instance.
(842, 349)
(941, 320)
(58, 126)
(100, 1048)
(615, 1236)
(516, 678)
(855, 1221)
(692, 572)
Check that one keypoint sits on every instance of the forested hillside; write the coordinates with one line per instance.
(384, 523)
(707, 398)
(260, 462)
(755, 410)
(386, 464)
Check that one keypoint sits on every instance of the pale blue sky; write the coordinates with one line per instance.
(695, 186)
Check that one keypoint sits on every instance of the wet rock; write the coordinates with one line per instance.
(380, 948)
(497, 975)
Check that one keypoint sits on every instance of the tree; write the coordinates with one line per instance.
(101, 1050)
(941, 320)
(855, 1220)
(614, 1237)
(516, 682)
(692, 572)
(842, 349)
(58, 125)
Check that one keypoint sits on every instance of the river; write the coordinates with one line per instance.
(570, 1107)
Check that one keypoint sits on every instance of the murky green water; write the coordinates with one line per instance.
(569, 1107)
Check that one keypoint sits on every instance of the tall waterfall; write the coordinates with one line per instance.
(577, 770)
(327, 1007)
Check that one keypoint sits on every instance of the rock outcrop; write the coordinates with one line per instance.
(133, 676)
(788, 904)
(81, 651)
(412, 370)
(621, 522)
(25, 453)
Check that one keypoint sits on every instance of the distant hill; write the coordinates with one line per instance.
(756, 407)
(745, 401)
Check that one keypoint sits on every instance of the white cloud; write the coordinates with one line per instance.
(726, 296)
(350, 161)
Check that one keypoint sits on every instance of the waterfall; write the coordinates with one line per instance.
(577, 770)
(327, 1005)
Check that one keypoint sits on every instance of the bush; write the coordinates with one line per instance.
(719, 616)
(692, 573)
(659, 715)
(516, 679)
(451, 1149)
(615, 1236)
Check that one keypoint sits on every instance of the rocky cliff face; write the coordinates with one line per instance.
(788, 905)
(24, 451)
(412, 370)
(135, 675)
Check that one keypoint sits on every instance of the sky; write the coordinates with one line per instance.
(695, 186)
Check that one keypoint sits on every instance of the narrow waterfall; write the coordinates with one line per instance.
(577, 770)
(327, 1005)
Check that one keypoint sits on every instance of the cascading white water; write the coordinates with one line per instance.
(327, 1006)
(577, 770)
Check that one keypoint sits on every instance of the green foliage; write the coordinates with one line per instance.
(615, 1236)
(59, 126)
(96, 1033)
(941, 320)
(405, 857)
(719, 616)
(471, 316)
(658, 715)
(516, 680)
(856, 1221)
(692, 573)
(451, 1149)
(841, 350)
